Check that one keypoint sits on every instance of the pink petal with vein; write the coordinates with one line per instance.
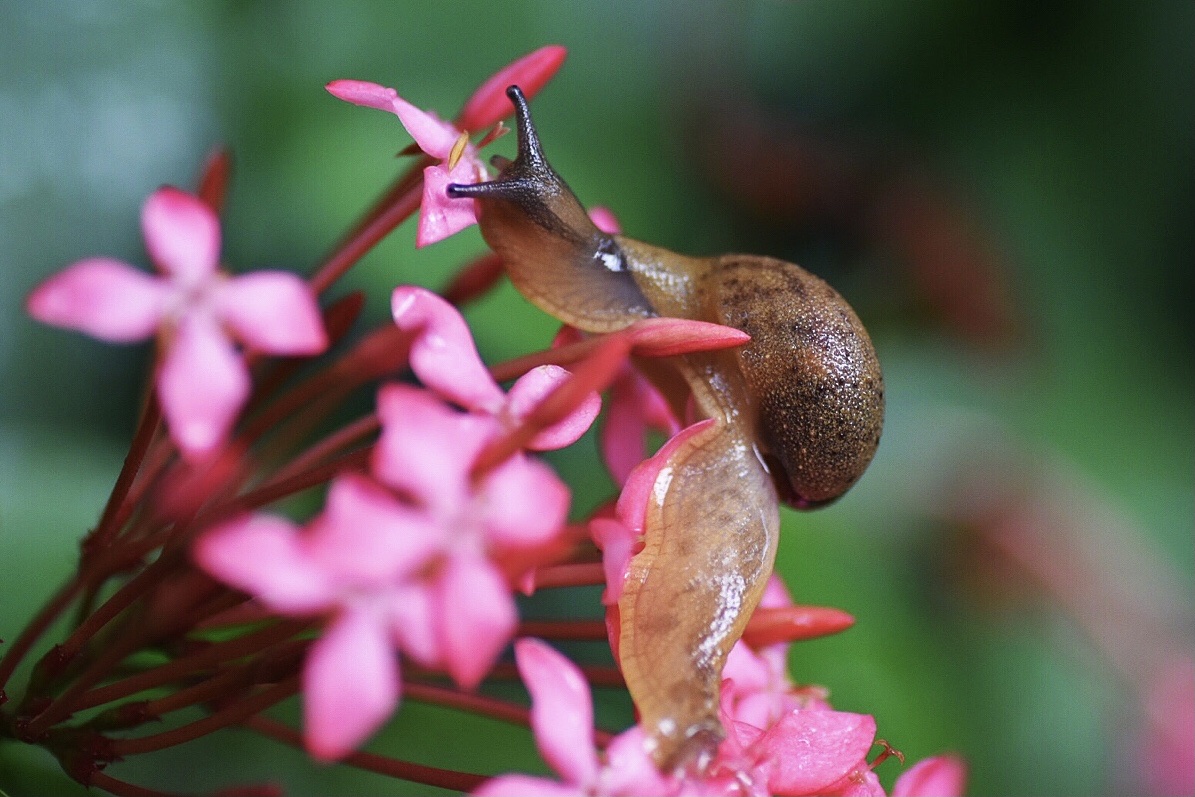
(105, 298)
(489, 104)
(262, 555)
(477, 617)
(366, 536)
(531, 388)
(440, 215)
(443, 355)
(362, 92)
(350, 685)
(182, 234)
(940, 776)
(525, 786)
(433, 135)
(561, 710)
(526, 503)
(203, 383)
(667, 337)
(274, 312)
(808, 750)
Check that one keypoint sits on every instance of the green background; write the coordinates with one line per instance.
(1060, 133)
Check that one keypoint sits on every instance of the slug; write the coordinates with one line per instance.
(797, 417)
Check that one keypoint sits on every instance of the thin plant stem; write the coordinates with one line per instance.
(383, 765)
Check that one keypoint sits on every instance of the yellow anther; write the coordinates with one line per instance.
(458, 149)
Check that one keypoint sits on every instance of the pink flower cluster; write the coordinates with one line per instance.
(420, 556)
(808, 749)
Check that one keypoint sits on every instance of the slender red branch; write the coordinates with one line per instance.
(570, 575)
(404, 201)
(395, 768)
(232, 714)
(121, 788)
(28, 637)
(564, 629)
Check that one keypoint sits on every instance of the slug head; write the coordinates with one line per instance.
(553, 252)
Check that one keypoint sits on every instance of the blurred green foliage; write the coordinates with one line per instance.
(1064, 129)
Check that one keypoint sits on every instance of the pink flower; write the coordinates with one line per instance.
(562, 720)
(940, 776)
(493, 528)
(441, 216)
(197, 310)
(355, 562)
(445, 359)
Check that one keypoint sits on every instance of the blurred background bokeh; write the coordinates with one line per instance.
(1004, 191)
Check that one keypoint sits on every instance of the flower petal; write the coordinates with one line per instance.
(489, 104)
(531, 388)
(182, 234)
(412, 623)
(561, 710)
(203, 383)
(940, 776)
(350, 685)
(433, 135)
(105, 298)
(617, 543)
(440, 215)
(808, 750)
(525, 502)
(443, 355)
(367, 537)
(273, 311)
(630, 769)
(635, 406)
(525, 786)
(262, 555)
(476, 617)
(604, 219)
(426, 447)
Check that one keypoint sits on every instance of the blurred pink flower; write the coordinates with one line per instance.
(354, 562)
(562, 719)
(197, 310)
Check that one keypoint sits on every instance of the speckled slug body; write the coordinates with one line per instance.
(797, 414)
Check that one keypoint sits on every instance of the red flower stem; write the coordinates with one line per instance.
(570, 575)
(564, 629)
(595, 674)
(479, 704)
(405, 770)
(37, 626)
(204, 659)
(125, 643)
(232, 714)
(594, 374)
(107, 527)
(272, 490)
(564, 355)
(349, 435)
(394, 208)
(231, 682)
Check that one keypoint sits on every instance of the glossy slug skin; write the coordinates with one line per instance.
(796, 416)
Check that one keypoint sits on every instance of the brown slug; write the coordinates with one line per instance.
(798, 413)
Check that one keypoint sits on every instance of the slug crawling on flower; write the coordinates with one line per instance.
(797, 416)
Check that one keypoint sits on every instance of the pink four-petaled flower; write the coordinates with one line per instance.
(197, 311)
